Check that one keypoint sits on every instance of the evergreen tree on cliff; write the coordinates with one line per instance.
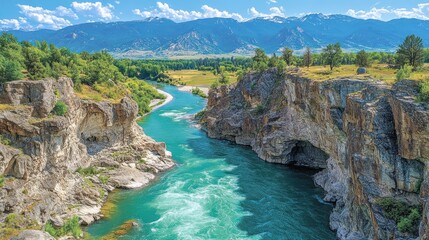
(411, 52)
(260, 60)
(287, 55)
(307, 58)
(332, 55)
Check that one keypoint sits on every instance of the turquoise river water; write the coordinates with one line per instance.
(219, 190)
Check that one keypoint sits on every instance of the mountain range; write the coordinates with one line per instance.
(160, 37)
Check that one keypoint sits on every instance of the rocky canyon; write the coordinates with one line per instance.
(56, 167)
(369, 139)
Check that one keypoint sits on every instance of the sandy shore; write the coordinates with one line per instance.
(157, 103)
(189, 89)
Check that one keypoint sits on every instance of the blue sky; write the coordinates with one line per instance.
(55, 14)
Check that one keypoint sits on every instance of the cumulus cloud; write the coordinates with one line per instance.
(419, 12)
(374, 13)
(94, 9)
(274, 11)
(163, 10)
(47, 18)
(66, 12)
(11, 24)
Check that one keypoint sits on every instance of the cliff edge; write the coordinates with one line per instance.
(55, 167)
(369, 139)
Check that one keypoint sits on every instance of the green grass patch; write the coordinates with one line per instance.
(89, 171)
(378, 71)
(198, 78)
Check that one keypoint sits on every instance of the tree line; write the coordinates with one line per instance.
(410, 53)
(153, 68)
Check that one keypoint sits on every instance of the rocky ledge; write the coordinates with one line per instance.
(370, 140)
(55, 167)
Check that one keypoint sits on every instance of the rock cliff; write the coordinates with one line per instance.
(370, 140)
(55, 167)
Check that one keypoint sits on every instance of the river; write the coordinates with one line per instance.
(219, 190)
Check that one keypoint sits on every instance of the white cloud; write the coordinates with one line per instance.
(274, 11)
(117, 2)
(419, 12)
(272, 1)
(66, 12)
(10, 24)
(374, 13)
(104, 12)
(46, 18)
(163, 10)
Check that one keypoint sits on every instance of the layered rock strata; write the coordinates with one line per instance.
(56, 167)
(370, 140)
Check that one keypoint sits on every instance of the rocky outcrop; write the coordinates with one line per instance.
(56, 167)
(370, 140)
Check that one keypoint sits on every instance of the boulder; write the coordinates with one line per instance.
(33, 235)
(361, 70)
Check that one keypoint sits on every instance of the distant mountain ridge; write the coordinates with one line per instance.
(160, 37)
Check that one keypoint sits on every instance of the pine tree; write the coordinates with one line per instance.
(411, 52)
(362, 59)
(308, 58)
(287, 55)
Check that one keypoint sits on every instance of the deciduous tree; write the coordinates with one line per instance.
(332, 55)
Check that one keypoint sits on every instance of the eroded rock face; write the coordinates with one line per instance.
(45, 151)
(370, 139)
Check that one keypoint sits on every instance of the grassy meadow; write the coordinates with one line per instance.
(377, 71)
(197, 78)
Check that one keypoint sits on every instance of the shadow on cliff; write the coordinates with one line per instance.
(270, 192)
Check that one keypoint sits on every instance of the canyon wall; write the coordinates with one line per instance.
(56, 167)
(370, 140)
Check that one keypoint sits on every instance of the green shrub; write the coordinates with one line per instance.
(70, 227)
(424, 91)
(57, 93)
(89, 171)
(197, 91)
(393, 209)
(104, 179)
(405, 225)
(406, 216)
(403, 73)
(4, 140)
(215, 84)
(2, 179)
(259, 109)
(60, 108)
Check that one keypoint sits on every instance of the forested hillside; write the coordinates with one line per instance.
(94, 75)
